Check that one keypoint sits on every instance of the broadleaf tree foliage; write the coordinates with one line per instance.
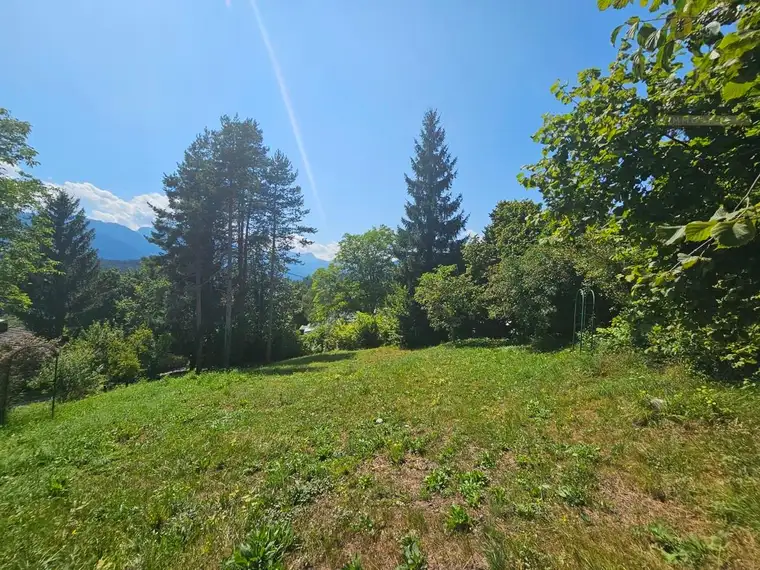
(20, 253)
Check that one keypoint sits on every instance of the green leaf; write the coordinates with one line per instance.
(689, 261)
(672, 234)
(645, 33)
(735, 90)
(734, 233)
(682, 26)
(615, 33)
(603, 4)
(698, 231)
(654, 40)
(720, 214)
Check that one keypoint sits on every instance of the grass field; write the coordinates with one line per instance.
(466, 457)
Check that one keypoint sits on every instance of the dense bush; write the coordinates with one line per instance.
(103, 355)
(79, 373)
(362, 331)
(449, 300)
(535, 294)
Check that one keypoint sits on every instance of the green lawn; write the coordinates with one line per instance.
(552, 460)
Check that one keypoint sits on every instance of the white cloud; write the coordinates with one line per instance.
(135, 213)
(325, 251)
(108, 207)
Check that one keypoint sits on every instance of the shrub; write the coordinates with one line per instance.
(78, 372)
(359, 332)
(535, 293)
(117, 356)
(449, 300)
(388, 327)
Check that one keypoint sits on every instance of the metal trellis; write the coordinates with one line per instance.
(584, 318)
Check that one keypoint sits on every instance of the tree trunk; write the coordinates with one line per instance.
(272, 260)
(198, 317)
(228, 303)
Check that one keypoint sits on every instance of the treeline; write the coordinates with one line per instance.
(650, 193)
(218, 295)
(653, 211)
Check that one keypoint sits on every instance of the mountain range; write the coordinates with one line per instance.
(121, 247)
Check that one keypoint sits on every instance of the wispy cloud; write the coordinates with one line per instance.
(288, 107)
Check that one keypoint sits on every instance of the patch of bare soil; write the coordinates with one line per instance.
(330, 543)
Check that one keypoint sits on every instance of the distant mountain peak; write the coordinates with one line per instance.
(120, 244)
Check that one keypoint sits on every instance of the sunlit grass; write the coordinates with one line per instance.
(556, 459)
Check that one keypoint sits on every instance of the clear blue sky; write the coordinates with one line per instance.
(117, 89)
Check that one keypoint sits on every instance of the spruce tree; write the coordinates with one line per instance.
(63, 299)
(429, 234)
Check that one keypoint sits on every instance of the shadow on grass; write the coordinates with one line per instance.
(302, 363)
(483, 343)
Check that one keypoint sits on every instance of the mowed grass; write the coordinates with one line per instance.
(467, 457)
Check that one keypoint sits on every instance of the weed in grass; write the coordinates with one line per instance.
(412, 557)
(56, 486)
(487, 460)
(363, 524)
(529, 510)
(472, 486)
(396, 452)
(264, 549)
(579, 475)
(705, 404)
(472, 493)
(355, 564)
(508, 553)
(458, 520)
(439, 481)
(365, 481)
(537, 411)
(691, 551)
(573, 495)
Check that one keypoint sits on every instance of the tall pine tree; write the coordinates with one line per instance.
(189, 232)
(429, 233)
(285, 211)
(63, 299)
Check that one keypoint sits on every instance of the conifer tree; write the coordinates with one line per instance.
(429, 235)
(61, 300)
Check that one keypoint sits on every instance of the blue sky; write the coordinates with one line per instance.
(117, 89)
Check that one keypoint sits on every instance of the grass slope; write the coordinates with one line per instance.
(480, 457)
